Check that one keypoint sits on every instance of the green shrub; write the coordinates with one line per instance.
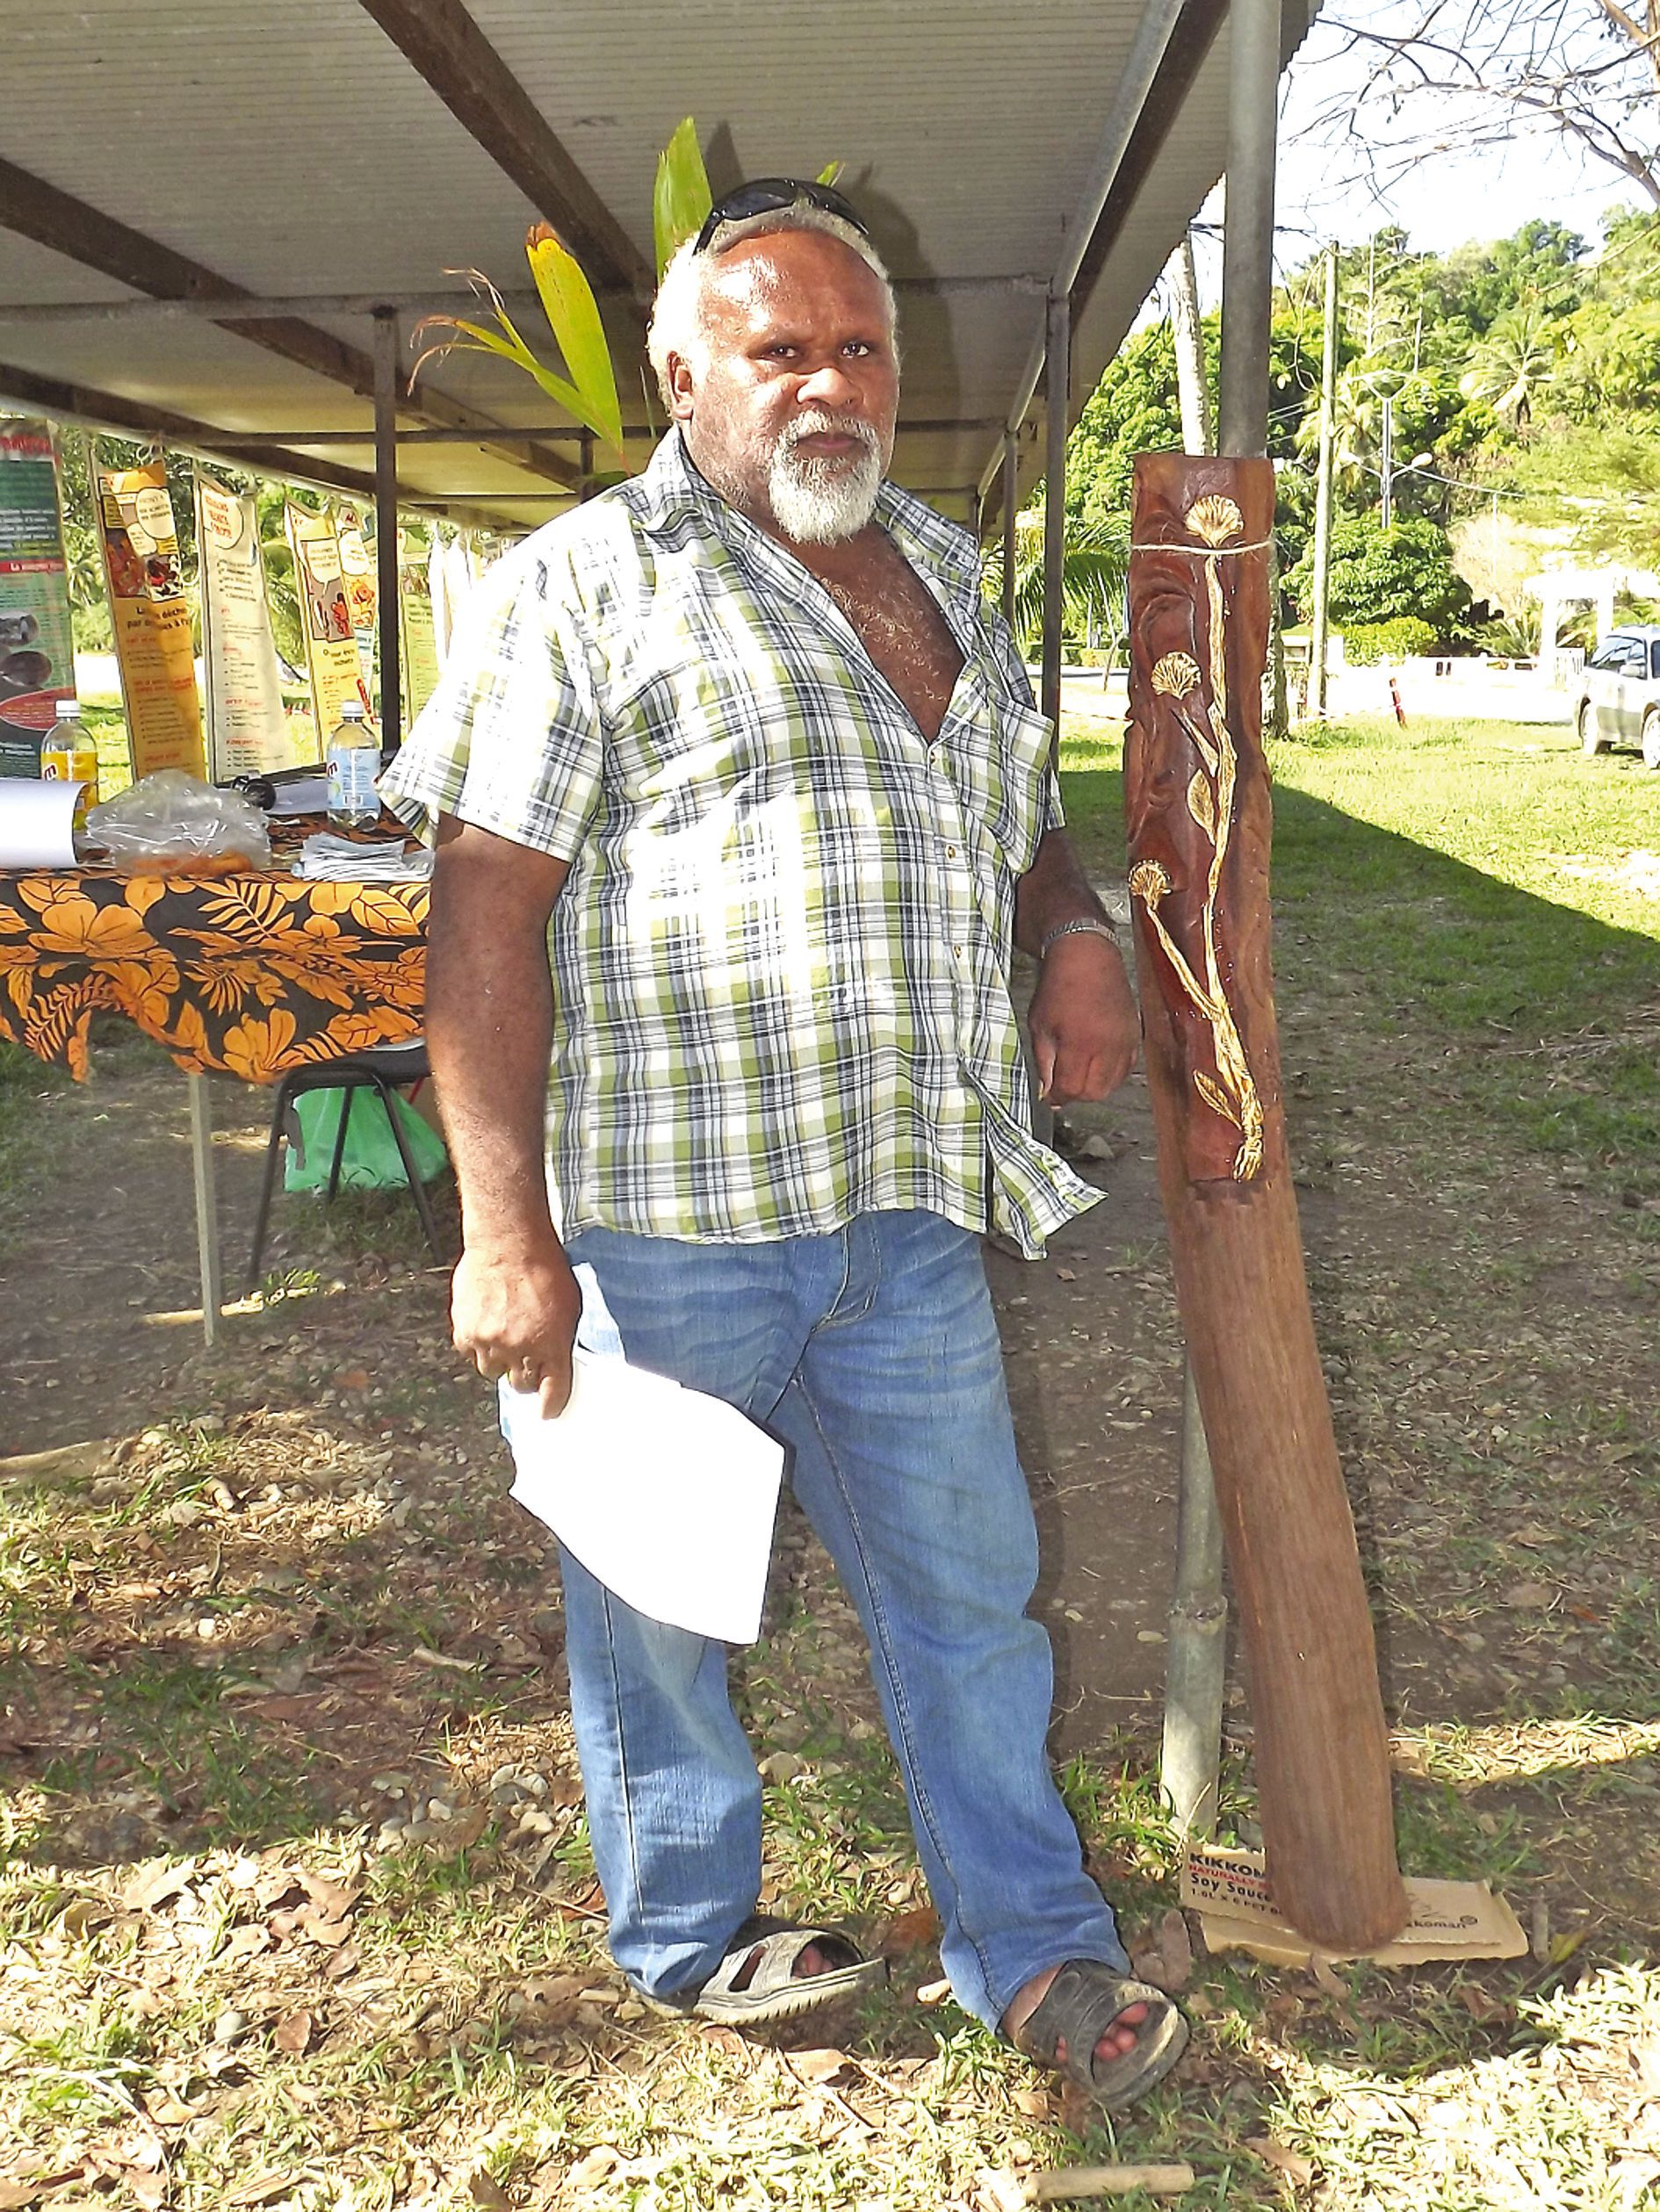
(1384, 576)
(1367, 643)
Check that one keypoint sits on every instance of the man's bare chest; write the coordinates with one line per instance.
(903, 631)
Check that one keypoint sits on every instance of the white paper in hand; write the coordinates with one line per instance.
(665, 1495)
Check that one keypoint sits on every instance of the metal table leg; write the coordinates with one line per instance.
(207, 1204)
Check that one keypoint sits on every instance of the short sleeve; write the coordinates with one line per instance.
(512, 738)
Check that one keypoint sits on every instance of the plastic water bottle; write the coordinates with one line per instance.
(69, 754)
(354, 762)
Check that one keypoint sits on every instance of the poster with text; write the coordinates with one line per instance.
(358, 570)
(415, 608)
(325, 616)
(247, 732)
(153, 653)
(37, 655)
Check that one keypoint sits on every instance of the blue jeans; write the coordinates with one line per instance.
(873, 1353)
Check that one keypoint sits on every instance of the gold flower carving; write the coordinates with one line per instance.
(1231, 1093)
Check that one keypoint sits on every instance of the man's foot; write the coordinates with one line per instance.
(776, 1969)
(1118, 2041)
(1113, 2035)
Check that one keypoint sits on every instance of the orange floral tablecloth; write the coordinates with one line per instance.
(251, 973)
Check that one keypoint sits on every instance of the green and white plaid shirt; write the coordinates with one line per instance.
(781, 958)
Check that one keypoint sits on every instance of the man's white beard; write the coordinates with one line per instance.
(820, 499)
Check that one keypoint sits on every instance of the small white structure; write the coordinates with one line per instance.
(1597, 587)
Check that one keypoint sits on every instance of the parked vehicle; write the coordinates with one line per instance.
(1619, 701)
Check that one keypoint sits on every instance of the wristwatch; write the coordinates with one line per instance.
(1082, 926)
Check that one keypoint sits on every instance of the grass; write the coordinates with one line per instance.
(243, 1654)
(1474, 885)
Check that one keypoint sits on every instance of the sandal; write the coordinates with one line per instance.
(1079, 2007)
(774, 1990)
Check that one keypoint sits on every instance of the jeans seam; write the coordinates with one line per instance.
(637, 1902)
(878, 1615)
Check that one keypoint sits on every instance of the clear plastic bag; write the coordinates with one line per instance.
(171, 824)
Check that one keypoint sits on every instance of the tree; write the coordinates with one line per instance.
(1133, 409)
(1094, 570)
(1380, 576)
(1465, 73)
(1513, 364)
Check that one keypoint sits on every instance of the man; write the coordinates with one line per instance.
(737, 749)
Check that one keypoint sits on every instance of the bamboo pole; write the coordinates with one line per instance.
(1199, 825)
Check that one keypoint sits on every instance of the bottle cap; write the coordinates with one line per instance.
(352, 711)
(67, 710)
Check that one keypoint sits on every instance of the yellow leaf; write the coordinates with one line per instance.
(1214, 1097)
(573, 316)
(1201, 804)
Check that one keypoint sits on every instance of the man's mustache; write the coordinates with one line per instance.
(821, 422)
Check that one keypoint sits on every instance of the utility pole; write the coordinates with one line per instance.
(1321, 629)
(1389, 459)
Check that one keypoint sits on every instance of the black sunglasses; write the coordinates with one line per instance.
(767, 195)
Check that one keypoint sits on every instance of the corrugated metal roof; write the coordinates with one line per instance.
(295, 151)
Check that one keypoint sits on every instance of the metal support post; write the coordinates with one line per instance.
(206, 1202)
(387, 608)
(1247, 251)
(1057, 400)
(1008, 528)
(1192, 1755)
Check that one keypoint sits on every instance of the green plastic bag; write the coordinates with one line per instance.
(370, 1160)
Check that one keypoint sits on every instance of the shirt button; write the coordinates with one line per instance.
(950, 852)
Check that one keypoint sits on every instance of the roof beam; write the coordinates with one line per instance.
(1190, 44)
(82, 233)
(131, 418)
(251, 309)
(922, 426)
(442, 42)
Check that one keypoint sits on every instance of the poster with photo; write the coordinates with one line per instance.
(325, 617)
(37, 652)
(155, 653)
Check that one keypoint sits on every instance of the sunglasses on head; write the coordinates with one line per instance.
(767, 195)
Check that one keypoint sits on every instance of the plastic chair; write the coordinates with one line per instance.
(383, 1070)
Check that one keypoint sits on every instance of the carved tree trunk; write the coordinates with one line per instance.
(1196, 791)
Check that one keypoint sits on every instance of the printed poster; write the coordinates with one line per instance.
(420, 656)
(325, 614)
(153, 648)
(357, 572)
(247, 731)
(37, 654)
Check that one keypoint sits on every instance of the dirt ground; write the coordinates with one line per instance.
(284, 1648)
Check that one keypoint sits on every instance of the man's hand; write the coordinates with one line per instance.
(514, 1313)
(1085, 1031)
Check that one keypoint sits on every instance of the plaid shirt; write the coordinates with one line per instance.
(781, 958)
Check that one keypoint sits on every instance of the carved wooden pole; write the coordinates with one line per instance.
(1196, 791)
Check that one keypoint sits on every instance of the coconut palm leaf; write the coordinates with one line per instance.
(573, 316)
(681, 197)
(1094, 571)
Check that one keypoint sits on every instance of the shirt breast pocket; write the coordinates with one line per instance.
(1016, 771)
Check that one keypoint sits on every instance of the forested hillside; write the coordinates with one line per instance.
(1525, 380)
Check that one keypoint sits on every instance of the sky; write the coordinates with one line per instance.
(1444, 201)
